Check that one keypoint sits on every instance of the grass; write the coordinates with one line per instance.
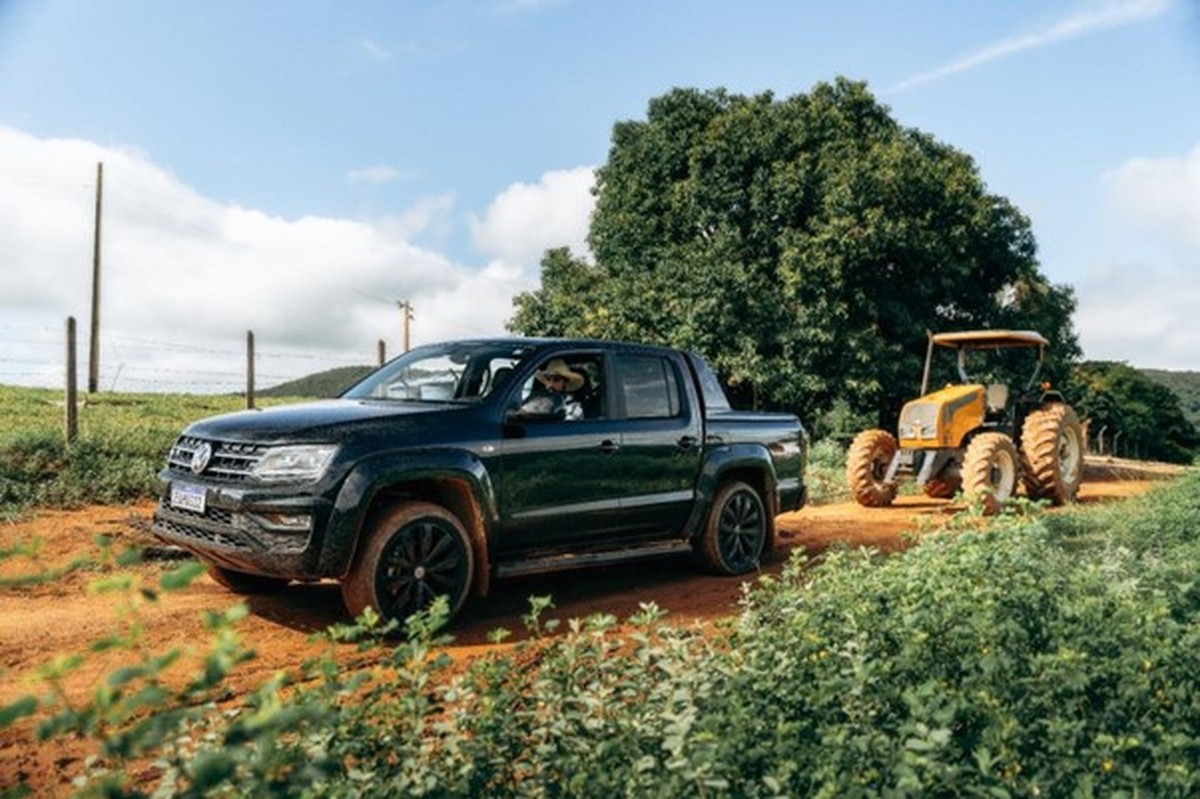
(122, 442)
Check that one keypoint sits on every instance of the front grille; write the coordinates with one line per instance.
(176, 525)
(230, 461)
(919, 420)
(227, 529)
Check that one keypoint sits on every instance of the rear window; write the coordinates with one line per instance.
(710, 387)
(650, 386)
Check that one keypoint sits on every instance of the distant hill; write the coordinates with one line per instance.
(321, 385)
(1186, 386)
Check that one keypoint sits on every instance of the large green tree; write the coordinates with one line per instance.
(803, 246)
(1149, 418)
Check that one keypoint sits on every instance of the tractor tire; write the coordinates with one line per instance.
(867, 463)
(942, 487)
(1052, 454)
(989, 470)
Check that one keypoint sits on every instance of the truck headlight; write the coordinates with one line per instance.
(294, 463)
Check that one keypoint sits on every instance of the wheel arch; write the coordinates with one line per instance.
(454, 480)
(747, 463)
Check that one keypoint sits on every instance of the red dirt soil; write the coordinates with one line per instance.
(39, 622)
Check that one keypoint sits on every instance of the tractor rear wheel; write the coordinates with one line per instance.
(990, 469)
(942, 487)
(1052, 453)
(867, 463)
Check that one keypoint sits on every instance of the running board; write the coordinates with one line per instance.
(579, 560)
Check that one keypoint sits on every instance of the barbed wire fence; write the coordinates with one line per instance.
(134, 364)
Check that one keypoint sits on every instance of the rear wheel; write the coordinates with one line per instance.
(1052, 454)
(867, 463)
(735, 533)
(414, 553)
(942, 487)
(244, 582)
(990, 469)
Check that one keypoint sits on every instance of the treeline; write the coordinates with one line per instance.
(806, 246)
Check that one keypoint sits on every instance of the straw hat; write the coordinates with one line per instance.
(558, 368)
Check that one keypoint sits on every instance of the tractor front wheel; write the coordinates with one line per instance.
(867, 463)
(990, 470)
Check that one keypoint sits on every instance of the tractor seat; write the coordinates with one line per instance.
(995, 397)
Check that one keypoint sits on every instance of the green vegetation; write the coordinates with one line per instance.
(804, 246)
(1029, 655)
(322, 385)
(123, 441)
(1185, 385)
(1120, 399)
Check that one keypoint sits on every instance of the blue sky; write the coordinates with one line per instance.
(320, 160)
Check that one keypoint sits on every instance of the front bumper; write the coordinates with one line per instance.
(258, 532)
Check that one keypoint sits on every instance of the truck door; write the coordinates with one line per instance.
(561, 479)
(661, 444)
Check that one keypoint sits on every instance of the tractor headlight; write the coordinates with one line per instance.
(298, 463)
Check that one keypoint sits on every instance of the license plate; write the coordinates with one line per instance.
(188, 497)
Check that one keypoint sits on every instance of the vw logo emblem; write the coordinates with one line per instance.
(201, 457)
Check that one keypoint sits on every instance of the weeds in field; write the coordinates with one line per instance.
(123, 441)
(1030, 655)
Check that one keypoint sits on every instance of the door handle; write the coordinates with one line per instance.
(608, 447)
(687, 442)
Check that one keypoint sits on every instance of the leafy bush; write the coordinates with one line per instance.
(1026, 656)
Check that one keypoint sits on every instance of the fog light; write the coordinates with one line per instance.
(290, 522)
(256, 523)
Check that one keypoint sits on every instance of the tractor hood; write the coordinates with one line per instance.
(942, 418)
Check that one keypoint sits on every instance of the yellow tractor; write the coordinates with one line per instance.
(972, 435)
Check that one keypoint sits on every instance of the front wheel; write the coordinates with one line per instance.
(735, 533)
(867, 463)
(990, 470)
(414, 553)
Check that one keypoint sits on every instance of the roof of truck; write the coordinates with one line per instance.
(990, 339)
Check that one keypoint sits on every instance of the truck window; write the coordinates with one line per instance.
(650, 386)
(710, 386)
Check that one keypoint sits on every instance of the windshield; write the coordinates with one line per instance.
(463, 372)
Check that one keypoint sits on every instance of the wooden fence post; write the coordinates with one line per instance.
(249, 369)
(71, 420)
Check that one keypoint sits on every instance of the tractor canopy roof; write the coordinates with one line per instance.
(989, 339)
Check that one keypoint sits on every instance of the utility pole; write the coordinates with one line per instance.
(94, 344)
(406, 314)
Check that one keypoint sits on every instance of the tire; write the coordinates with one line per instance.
(412, 554)
(942, 487)
(867, 463)
(735, 533)
(243, 582)
(1052, 454)
(990, 469)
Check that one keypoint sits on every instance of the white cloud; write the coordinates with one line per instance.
(1161, 194)
(1092, 17)
(375, 50)
(375, 175)
(184, 277)
(527, 219)
(1141, 304)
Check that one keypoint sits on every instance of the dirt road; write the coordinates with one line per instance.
(65, 615)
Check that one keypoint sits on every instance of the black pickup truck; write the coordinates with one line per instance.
(464, 462)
